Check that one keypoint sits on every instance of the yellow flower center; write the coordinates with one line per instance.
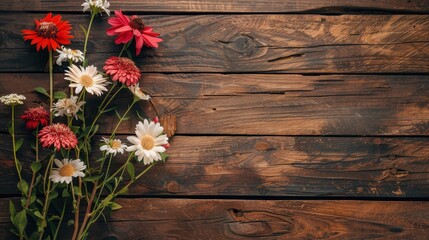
(147, 142)
(67, 170)
(115, 144)
(86, 80)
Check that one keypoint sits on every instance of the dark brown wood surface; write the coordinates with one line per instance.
(274, 166)
(296, 119)
(322, 6)
(259, 219)
(250, 43)
(252, 104)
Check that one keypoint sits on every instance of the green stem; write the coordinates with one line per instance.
(47, 191)
(12, 133)
(59, 222)
(33, 178)
(87, 36)
(126, 45)
(122, 118)
(51, 86)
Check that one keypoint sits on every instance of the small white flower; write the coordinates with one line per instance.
(68, 54)
(87, 78)
(135, 89)
(98, 6)
(67, 106)
(148, 142)
(13, 99)
(67, 170)
(113, 146)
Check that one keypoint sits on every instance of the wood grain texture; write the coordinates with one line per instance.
(322, 6)
(249, 43)
(273, 166)
(251, 104)
(257, 219)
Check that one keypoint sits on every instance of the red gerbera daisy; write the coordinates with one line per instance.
(126, 27)
(58, 135)
(50, 32)
(123, 70)
(35, 116)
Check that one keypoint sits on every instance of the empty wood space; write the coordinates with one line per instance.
(295, 119)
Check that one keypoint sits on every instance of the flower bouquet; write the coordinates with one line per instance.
(67, 175)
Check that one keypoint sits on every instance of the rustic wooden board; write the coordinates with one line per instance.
(252, 104)
(274, 166)
(250, 43)
(235, 219)
(323, 6)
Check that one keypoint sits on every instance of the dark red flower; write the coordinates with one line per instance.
(35, 116)
(126, 28)
(50, 32)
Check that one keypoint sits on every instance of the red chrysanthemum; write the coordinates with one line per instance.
(126, 28)
(50, 32)
(123, 70)
(58, 135)
(35, 116)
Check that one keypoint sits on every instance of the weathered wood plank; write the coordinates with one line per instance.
(274, 166)
(250, 219)
(250, 43)
(323, 6)
(253, 104)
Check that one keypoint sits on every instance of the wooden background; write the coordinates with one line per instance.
(297, 119)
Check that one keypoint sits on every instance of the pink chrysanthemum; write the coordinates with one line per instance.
(58, 135)
(35, 116)
(123, 70)
(126, 28)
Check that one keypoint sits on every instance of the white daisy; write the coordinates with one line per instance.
(148, 142)
(67, 106)
(112, 146)
(66, 170)
(98, 6)
(68, 54)
(135, 89)
(87, 78)
(13, 99)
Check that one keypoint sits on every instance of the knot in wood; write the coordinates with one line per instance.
(243, 44)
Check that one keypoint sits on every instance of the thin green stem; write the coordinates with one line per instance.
(51, 86)
(33, 177)
(119, 169)
(59, 222)
(12, 133)
(87, 35)
(122, 118)
(126, 45)
(47, 191)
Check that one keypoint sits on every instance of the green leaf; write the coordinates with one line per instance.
(9, 128)
(12, 210)
(70, 222)
(164, 156)
(41, 91)
(131, 170)
(35, 167)
(18, 144)
(23, 186)
(77, 191)
(92, 178)
(118, 115)
(38, 214)
(65, 193)
(123, 191)
(114, 206)
(20, 221)
(60, 95)
(53, 195)
(83, 29)
(109, 109)
(18, 165)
